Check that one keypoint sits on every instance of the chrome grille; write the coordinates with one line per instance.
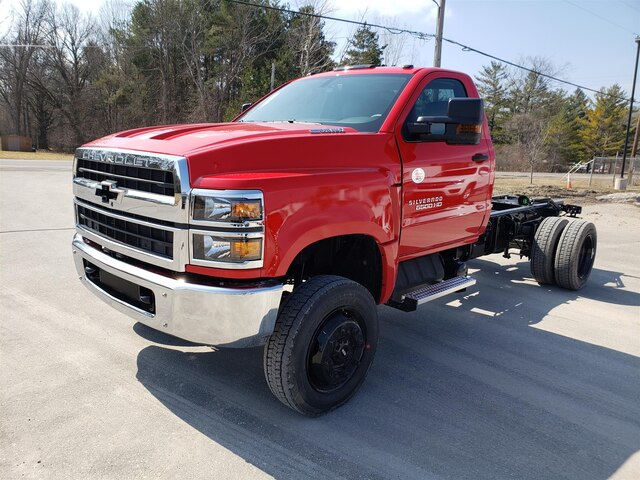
(154, 240)
(150, 180)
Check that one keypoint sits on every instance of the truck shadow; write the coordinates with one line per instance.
(603, 285)
(457, 390)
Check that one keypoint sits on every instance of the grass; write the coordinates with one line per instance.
(39, 155)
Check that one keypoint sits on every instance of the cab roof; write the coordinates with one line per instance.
(374, 69)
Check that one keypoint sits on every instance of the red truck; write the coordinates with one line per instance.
(285, 227)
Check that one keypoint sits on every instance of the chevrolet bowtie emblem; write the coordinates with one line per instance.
(108, 190)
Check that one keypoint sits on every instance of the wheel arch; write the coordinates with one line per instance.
(356, 256)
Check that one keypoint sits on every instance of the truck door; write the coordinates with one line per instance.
(446, 188)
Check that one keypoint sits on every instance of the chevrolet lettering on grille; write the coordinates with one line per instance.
(127, 159)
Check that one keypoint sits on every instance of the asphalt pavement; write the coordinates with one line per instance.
(508, 380)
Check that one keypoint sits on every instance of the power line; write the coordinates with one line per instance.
(427, 36)
(629, 5)
(599, 16)
(531, 70)
(393, 30)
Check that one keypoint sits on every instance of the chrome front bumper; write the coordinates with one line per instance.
(228, 317)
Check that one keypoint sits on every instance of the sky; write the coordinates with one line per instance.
(590, 42)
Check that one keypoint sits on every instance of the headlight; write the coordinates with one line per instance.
(227, 229)
(220, 209)
(214, 248)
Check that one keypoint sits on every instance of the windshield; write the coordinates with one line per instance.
(358, 101)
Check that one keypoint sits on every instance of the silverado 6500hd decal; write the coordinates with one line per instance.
(426, 203)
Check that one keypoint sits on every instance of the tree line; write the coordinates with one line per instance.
(545, 127)
(72, 77)
(67, 77)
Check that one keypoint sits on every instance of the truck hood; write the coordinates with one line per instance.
(184, 140)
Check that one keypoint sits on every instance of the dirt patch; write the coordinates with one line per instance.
(543, 191)
(580, 196)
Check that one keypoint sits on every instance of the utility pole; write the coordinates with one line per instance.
(437, 55)
(633, 89)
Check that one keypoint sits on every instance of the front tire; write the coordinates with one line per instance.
(323, 344)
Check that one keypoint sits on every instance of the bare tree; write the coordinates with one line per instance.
(5, 17)
(240, 38)
(68, 66)
(394, 42)
(194, 30)
(113, 81)
(311, 50)
(529, 133)
(530, 91)
(26, 33)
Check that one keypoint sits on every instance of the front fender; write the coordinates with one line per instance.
(331, 204)
(307, 206)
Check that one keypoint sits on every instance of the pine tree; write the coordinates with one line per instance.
(576, 109)
(530, 91)
(366, 49)
(491, 82)
(603, 126)
(563, 132)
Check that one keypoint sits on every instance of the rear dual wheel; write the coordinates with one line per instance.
(543, 250)
(323, 344)
(563, 252)
(576, 254)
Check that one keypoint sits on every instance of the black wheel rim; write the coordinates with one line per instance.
(335, 351)
(585, 260)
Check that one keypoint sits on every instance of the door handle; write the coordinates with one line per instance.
(480, 157)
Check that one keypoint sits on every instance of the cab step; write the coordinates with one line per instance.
(411, 300)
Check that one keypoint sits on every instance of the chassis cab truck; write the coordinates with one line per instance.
(287, 226)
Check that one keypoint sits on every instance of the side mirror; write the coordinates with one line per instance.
(245, 107)
(461, 126)
(467, 111)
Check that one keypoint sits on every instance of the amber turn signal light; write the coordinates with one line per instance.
(469, 129)
(244, 250)
(246, 210)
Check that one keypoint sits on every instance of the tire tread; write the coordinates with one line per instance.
(544, 248)
(567, 257)
(278, 351)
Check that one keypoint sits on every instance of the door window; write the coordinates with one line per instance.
(434, 100)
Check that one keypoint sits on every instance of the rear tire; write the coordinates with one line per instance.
(322, 345)
(543, 250)
(576, 254)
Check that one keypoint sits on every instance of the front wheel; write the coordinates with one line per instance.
(323, 344)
